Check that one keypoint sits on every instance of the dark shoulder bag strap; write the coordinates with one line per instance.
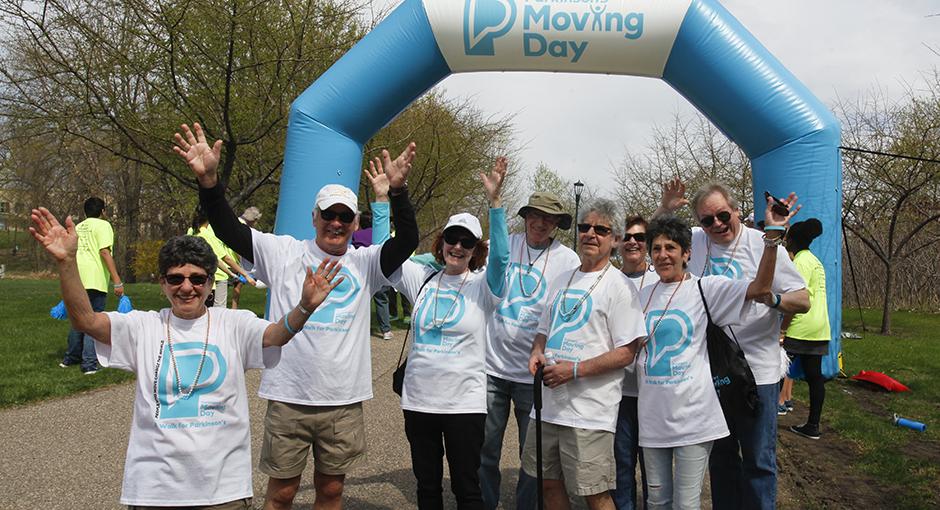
(403, 344)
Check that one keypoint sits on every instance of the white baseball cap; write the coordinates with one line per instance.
(467, 221)
(333, 194)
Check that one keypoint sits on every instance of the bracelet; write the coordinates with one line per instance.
(304, 310)
(576, 369)
(776, 301)
(781, 228)
(773, 242)
(118, 285)
(394, 192)
(287, 325)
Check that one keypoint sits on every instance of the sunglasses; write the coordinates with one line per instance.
(707, 221)
(639, 237)
(345, 216)
(197, 280)
(453, 238)
(600, 230)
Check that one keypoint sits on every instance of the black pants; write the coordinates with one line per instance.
(812, 367)
(462, 440)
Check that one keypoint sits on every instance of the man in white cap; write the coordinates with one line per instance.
(316, 392)
(535, 259)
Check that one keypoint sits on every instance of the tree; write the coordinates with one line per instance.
(892, 204)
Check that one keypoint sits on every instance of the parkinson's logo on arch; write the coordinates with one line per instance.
(483, 22)
(671, 337)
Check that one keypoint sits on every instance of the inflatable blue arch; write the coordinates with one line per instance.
(696, 46)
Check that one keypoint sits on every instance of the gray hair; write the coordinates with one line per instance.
(605, 209)
(709, 189)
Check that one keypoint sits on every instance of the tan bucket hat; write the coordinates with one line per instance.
(547, 203)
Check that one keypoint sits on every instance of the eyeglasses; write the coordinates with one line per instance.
(197, 280)
(600, 230)
(639, 237)
(453, 238)
(330, 215)
(707, 221)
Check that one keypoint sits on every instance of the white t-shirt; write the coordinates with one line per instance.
(445, 366)
(678, 403)
(328, 363)
(631, 387)
(609, 317)
(759, 331)
(512, 330)
(197, 451)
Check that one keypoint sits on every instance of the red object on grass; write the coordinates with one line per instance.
(880, 379)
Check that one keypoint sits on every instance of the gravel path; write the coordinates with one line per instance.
(69, 453)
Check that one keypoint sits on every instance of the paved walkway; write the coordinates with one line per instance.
(69, 453)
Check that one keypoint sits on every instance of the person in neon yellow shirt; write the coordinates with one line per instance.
(807, 335)
(95, 266)
(228, 266)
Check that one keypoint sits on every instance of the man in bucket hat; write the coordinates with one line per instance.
(536, 258)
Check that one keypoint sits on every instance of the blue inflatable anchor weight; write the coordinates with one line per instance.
(911, 424)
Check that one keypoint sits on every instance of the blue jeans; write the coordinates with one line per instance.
(626, 452)
(499, 392)
(381, 309)
(747, 479)
(81, 347)
(678, 488)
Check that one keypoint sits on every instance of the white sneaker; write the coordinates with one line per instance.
(387, 335)
(90, 372)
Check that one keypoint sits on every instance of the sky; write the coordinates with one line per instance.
(582, 125)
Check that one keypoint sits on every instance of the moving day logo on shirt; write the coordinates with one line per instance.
(437, 314)
(526, 288)
(342, 296)
(566, 319)
(672, 336)
(188, 355)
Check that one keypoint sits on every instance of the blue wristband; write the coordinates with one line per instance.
(576, 369)
(776, 301)
(287, 325)
(775, 227)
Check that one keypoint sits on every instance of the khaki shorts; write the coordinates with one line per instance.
(238, 504)
(583, 458)
(336, 433)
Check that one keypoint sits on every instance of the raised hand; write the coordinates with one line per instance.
(397, 170)
(61, 242)
(377, 176)
(771, 218)
(202, 158)
(317, 286)
(673, 195)
(493, 181)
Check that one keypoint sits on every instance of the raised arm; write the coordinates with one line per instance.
(396, 250)
(317, 286)
(203, 160)
(62, 243)
(673, 198)
(498, 258)
(774, 229)
(381, 230)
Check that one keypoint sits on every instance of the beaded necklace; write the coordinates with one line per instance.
(547, 252)
(440, 324)
(708, 252)
(179, 386)
(567, 314)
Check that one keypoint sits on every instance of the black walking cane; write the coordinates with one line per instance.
(537, 404)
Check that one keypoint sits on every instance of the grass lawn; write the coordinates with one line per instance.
(903, 458)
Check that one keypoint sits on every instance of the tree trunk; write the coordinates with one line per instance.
(886, 304)
(130, 211)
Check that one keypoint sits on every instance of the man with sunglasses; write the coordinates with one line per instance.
(743, 466)
(536, 258)
(316, 392)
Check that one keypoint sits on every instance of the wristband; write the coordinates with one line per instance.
(304, 310)
(287, 325)
(776, 301)
(576, 369)
(781, 228)
(118, 285)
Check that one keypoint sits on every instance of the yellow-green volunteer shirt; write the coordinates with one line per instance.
(218, 247)
(814, 324)
(93, 235)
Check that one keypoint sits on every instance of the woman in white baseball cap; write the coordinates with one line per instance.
(444, 389)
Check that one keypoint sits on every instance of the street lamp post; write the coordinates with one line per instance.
(578, 188)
